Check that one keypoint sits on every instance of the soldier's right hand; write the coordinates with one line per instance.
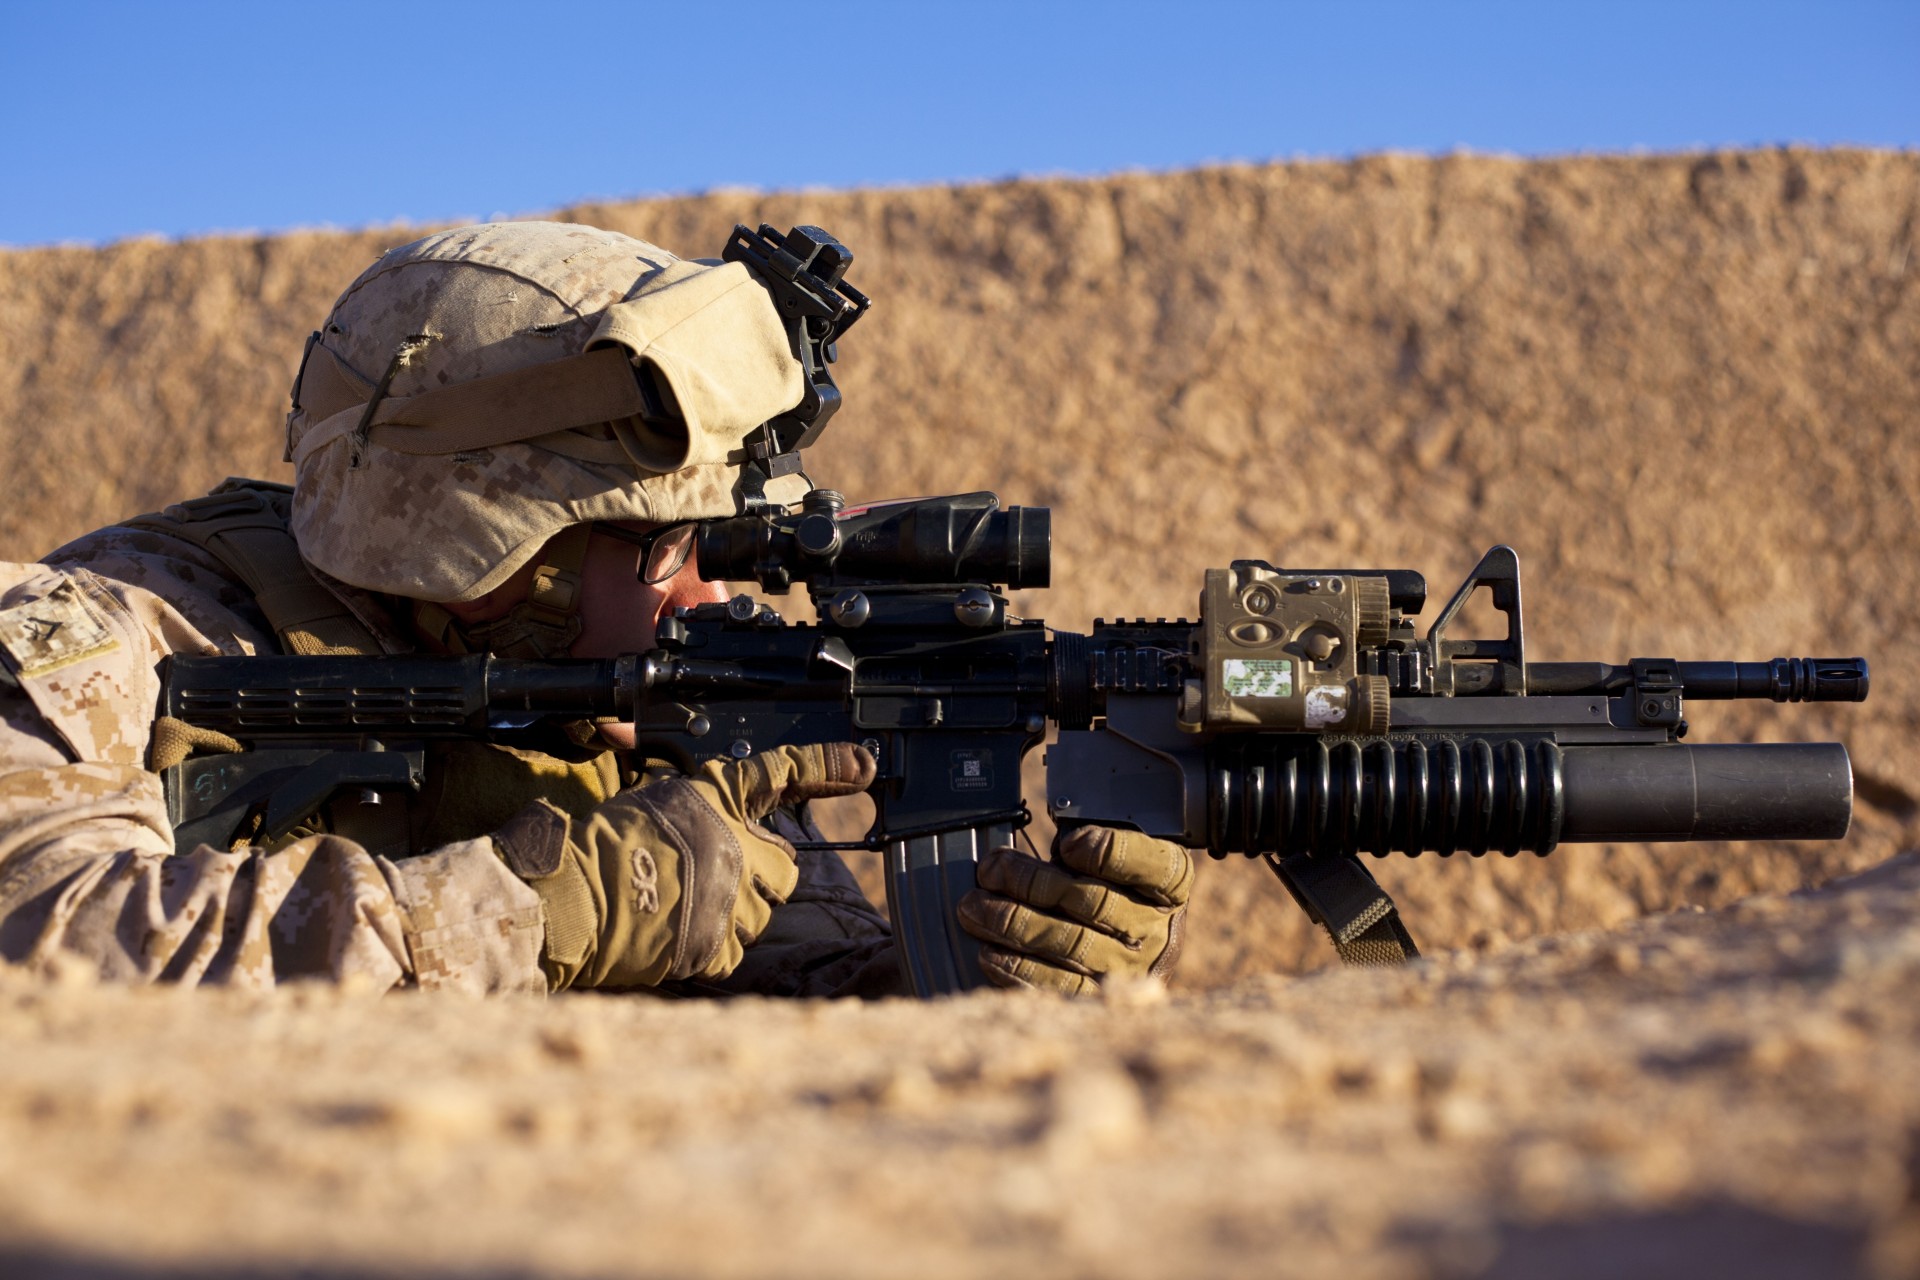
(674, 879)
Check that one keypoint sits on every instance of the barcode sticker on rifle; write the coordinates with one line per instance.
(971, 771)
(1257, 677)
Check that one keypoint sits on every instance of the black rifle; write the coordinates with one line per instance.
(1300, 720)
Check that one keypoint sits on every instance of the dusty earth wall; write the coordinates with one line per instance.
(1683, 387)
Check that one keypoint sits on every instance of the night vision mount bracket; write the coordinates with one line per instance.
(804, 272)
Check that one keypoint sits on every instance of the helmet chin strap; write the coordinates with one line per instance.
(544, 625)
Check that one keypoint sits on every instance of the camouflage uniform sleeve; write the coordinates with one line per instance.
(88, 871)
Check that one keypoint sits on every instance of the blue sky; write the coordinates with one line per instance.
(190, 117)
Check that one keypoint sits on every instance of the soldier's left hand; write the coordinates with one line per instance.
(1111, 902)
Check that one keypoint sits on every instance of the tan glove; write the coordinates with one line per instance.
(1046, 926)
(675, 879)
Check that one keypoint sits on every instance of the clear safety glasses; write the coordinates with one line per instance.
(663, 551)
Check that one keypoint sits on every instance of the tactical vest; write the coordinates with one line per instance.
(244, 524)
(469, 788)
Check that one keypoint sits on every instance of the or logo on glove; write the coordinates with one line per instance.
(1111, 902)
(675, 879)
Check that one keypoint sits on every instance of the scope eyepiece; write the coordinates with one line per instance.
(961, 538)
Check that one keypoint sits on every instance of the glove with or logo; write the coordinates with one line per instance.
(1111, 902)
(675, 879)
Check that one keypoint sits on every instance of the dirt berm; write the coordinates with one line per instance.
(1683, 387)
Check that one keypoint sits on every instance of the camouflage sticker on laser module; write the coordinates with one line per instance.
(1325, 706)
(1257, 677)
(53, 632)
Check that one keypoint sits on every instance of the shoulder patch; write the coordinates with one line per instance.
(55, 631)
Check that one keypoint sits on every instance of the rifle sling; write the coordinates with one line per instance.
(243, 525)
(1338, 893)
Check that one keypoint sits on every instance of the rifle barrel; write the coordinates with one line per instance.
(1780, 679)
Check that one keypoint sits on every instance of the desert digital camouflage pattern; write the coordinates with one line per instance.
(500, 299)
(89, 875)
(87, 866)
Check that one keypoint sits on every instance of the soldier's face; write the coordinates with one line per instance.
(617, 612)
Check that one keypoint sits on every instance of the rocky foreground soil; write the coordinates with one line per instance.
(1721, 1093)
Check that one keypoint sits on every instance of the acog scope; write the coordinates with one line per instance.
(961, 538)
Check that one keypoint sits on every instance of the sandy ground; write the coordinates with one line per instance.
(1697, 1094)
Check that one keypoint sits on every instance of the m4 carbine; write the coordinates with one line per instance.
(1301, 719)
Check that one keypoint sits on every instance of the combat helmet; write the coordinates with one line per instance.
(478, 391)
